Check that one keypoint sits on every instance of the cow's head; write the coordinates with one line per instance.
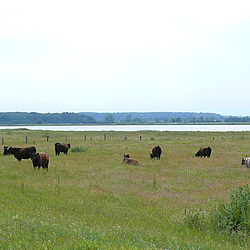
(126, 156)
(151, 155)
(10, 150)
(243, 161)
(198, 154)
(5, 150)
(34, 156)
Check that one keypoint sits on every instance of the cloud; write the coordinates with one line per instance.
(108, 27)
(123, 55)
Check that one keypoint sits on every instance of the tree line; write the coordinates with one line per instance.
(166, 117)
(48, 118)
(8, 118)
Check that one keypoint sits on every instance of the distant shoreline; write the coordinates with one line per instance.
(127, 124)
(131, 128)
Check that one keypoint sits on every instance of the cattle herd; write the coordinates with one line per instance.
(42, 159)
(38, 159)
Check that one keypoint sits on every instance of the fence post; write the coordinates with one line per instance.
(2, 141)
(85, 137)
(47, 138)
(26, 140)
(125, 137)
(66, 137)
(140, 138)
(105, 137)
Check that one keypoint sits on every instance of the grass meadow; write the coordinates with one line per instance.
(89, 199)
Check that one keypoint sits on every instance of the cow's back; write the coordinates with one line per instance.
(23, 153)
(44, 158)
(130, 161)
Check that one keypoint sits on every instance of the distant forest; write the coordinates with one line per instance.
(166, 117)
(44, 118)
(20, 118)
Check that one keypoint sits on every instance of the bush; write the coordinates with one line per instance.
(79, 149)
(235, 214)
(232, 216)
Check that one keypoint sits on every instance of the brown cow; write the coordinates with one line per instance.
(61, 147)
(204, 151)
(130, 161)
(22, 153)
(40, 160)
(156, 152)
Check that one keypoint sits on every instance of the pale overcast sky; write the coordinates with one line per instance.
(112, 56)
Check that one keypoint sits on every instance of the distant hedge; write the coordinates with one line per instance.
(48, 118)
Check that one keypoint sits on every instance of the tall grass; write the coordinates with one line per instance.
(90, 200)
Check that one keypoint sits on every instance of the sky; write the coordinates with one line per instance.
(125, 56)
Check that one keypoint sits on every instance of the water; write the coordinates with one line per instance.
(219, 128)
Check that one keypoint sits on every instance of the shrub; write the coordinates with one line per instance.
(234, 215)
(79, 149)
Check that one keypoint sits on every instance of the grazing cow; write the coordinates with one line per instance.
(22, 153)
(40, 160)
(156, 152)
(246, 161)
(204, 151)
(61, 147)
(127, 160)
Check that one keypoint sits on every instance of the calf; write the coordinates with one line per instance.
(130, 161)
(61, 147)
(156, 152)
(246, 161)
(22, 153)
(40, 160)
(204, 151)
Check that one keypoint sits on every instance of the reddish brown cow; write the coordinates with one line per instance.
(61, 147)
(204, 151)
(21, 153)
(40, 160)
(130, 161)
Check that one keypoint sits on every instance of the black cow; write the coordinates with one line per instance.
(61, 147)
(156, 152)
(40, 160)
(22, 153)
(204, 151)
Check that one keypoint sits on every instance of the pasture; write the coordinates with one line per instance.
(89, 199)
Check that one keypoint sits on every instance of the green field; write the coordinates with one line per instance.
(89, 199)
